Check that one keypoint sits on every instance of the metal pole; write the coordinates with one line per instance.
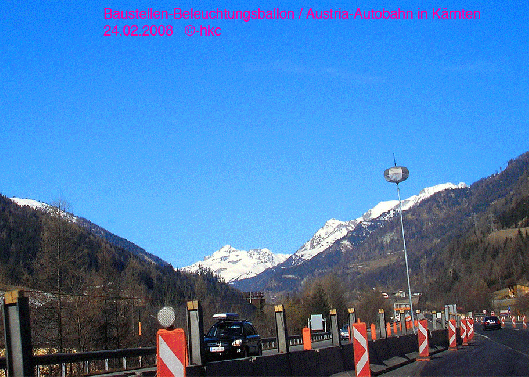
(406, 259)
(17, 332)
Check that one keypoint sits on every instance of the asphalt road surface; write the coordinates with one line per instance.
(492, 353)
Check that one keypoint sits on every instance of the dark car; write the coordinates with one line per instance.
(231, 338)
(491, 323)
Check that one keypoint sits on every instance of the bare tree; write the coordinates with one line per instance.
(56, 260)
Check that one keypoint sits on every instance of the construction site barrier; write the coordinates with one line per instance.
(422, 336)
(361, 351)
(307, 340)
(171, 353)
(470, 329)
(464, 337)
(452, 340)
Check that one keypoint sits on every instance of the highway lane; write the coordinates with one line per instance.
(492, 353)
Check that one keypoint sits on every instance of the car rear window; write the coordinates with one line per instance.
(225, 329)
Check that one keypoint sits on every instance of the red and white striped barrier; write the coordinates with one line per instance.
(470, 329)
(171, 353)
(464, 337)
(452, 335)
(361, 351)
(422, 336)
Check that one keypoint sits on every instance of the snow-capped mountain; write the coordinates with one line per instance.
(334, 229)
(328, 245)
(231, 264)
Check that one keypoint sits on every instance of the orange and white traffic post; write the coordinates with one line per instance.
(470, 329)
(513, 322)
(524, 323)
(422, 336)
(464, 337)
(171, 353)
(361, 351)
(452, 341)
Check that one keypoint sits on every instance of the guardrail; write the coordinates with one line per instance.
(82, 362)
(294, 340)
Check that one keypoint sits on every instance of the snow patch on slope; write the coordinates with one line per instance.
(42, 207)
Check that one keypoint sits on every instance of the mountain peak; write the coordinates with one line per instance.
(232, 264)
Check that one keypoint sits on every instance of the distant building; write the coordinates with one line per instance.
(505, 299)
(257, 299)
(401, 304)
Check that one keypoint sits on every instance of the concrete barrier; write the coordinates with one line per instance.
(305, 363)
(439, 339)
(331, 360)
(348, 356)
(384, 355)
(237, 367)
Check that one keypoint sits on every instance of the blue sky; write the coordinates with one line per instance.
(256, 137)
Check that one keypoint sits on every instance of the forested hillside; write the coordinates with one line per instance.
(98, 292)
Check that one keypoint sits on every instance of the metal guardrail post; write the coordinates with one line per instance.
(195, 326)
(382, 323)
(281, 328)
(19, 352)
(334, 328)
(352, 321)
